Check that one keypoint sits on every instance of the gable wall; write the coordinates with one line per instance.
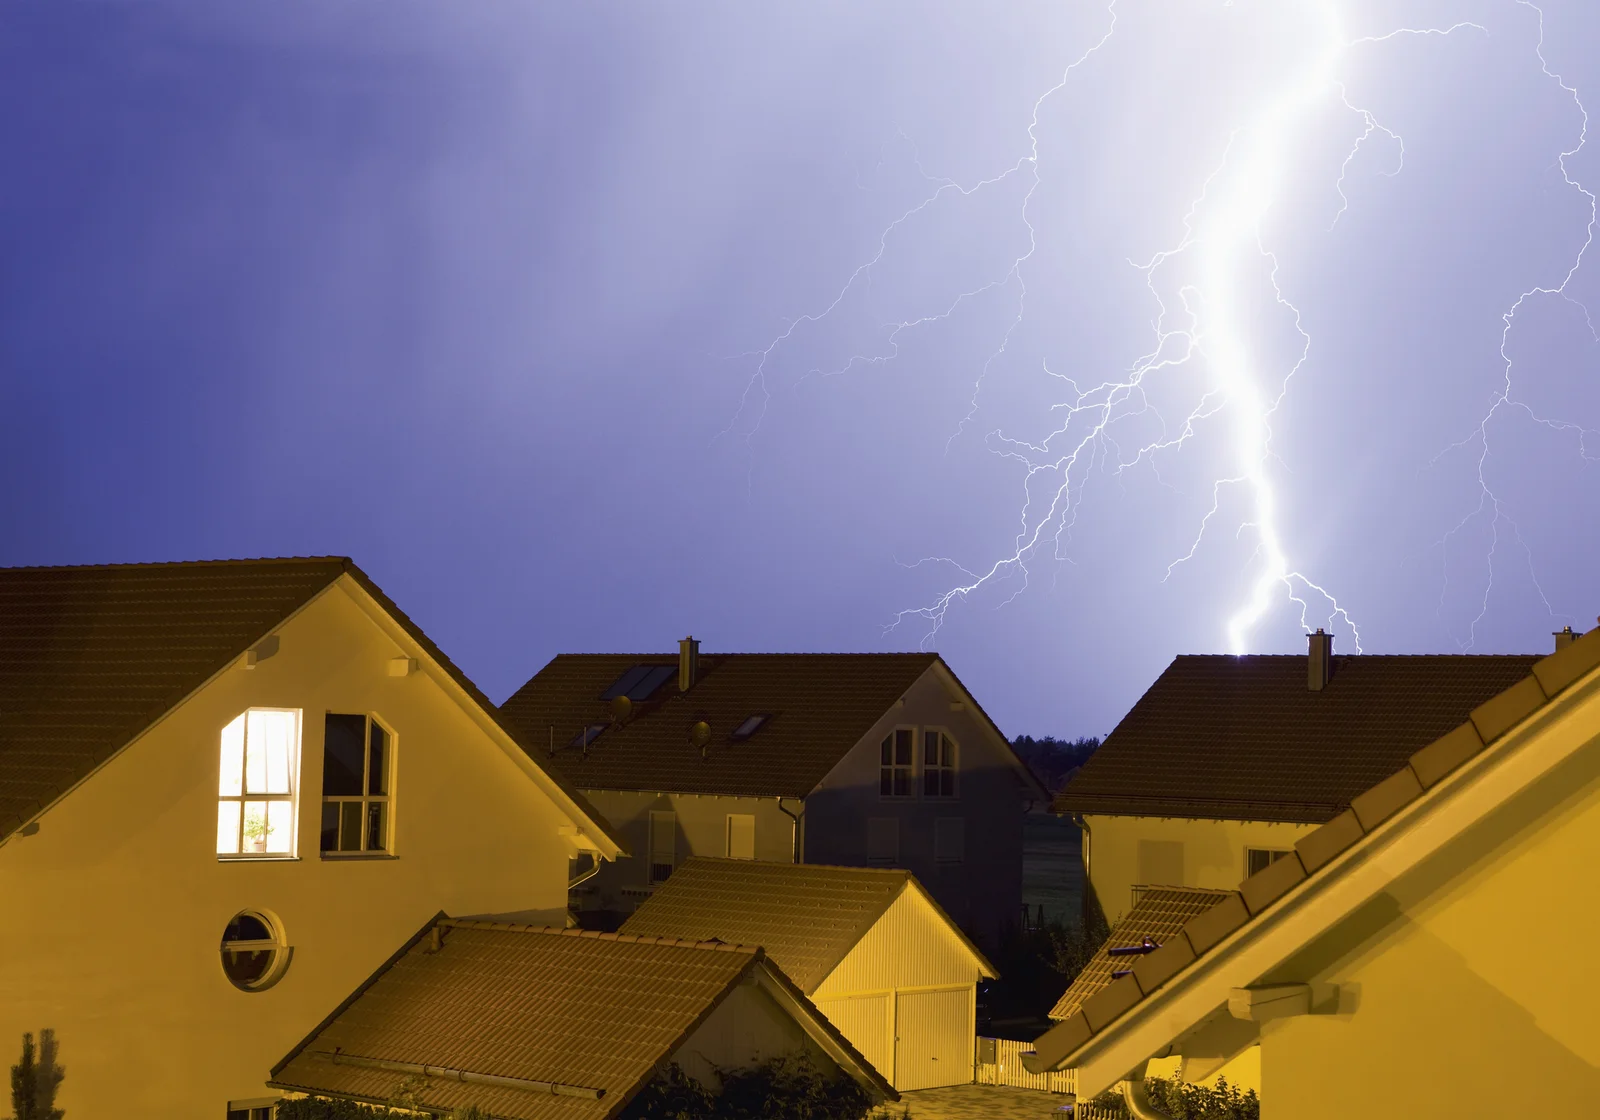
(116, 907)
(909, 946)
(1212, 852)
(746, 1028)
(984, 890)
(1470, 987)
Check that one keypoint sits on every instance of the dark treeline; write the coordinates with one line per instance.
(1053, 760)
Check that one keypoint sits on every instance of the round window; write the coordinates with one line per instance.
(253, 951)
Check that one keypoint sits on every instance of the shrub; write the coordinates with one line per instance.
(1200, 1102)
(332, 1108)
(779, 1089)
(34, 1080)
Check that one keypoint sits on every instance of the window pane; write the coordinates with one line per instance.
(269, 748)
(902, 747)
(885, 750)
(947, 751)
(902, 783)
(255, 826)
(377, 748)
(947, 783)
(350, 826)
(232, 759)
(280, 826)
(377, 835)
(930, 747)
(930, 782)
(885, 782)
(227, 828)
(247, 927)
(342, 750)
(330, 826)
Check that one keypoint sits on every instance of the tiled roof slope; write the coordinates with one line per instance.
(91, 656)
(569, 1008)
(1243, 738)
(1349, 831)
(806, 916)
(1160, 914)
(820, 705)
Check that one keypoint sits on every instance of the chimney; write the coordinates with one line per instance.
(1565, 637)
(688, 663)
(1319, 660)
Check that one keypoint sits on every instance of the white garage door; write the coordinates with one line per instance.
(864, 1020)
(934, 1039)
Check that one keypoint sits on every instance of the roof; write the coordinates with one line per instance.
(1471, 757)
(587, 1017)
(1159, 915)
(806, 916)
(92, 656)
(819, 705)
(1243, 738)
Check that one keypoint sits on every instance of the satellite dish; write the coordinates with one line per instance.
(700, 733)
(621, 709)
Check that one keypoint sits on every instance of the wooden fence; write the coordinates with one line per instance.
(1000, 1063)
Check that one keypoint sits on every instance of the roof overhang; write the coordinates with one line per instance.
(1191, 1008)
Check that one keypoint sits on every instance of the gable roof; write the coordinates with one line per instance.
(1440, 791)
(1160, 915)
(818, 705)
(92, 656)
(1243, 738)
(547, 1024)
(806, 916)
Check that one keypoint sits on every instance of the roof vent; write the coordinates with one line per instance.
(688, 663)
(1319, 660)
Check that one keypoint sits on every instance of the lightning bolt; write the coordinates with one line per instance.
(1202, 338)
(1489, 505)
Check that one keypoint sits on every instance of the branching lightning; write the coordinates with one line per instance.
(1200, 330)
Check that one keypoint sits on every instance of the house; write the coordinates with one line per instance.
(857, 760)
(533, 1023)
(227, 791)
(1227, 762)
(868, 946)
(1424, 953)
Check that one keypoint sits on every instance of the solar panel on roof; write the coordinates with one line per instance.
(654, 677)
(622, 684)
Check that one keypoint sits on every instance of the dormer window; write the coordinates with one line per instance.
(356, 764)
(260, 770)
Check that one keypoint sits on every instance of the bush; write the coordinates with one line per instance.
(332, 1108)
(1198, 1102)
(780, 1089)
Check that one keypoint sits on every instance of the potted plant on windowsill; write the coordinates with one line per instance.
(256, 831)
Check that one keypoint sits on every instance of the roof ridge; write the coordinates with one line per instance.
(219, 563)
(772, 866)
(598, 935)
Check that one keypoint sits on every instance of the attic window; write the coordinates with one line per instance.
(749, 727)
(588, 735)
(639, 682)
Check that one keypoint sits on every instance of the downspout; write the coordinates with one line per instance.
(1088, 880)
(1137, 1097)
(794, 828)
(594, 869)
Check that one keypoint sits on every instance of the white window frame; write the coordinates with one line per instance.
(245, 796)
(952, 769)
(892, 768)
(365, 799)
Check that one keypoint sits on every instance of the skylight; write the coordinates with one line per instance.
(639, 682)
(749, 727)
(588, 735)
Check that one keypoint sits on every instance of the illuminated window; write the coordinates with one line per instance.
(663, 845)
(1259, 859)
(741, 836)
(256, 792)
(938, 764)
(894, 763)
(356, 759)
(254, 954)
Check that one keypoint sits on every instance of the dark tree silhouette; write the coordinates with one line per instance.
(35, 1079)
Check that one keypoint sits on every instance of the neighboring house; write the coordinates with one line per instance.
(846, 759)
(227, 791)
(1425, 953)
(546, 1024)
(870, 948)
(1226, 762)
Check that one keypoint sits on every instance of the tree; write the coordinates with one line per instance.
(35, 1079)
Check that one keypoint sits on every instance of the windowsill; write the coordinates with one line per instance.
(357, 857)
(223, 857)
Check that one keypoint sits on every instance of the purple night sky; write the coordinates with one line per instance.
(584, 327)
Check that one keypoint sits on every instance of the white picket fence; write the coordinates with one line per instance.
(1006, 1069)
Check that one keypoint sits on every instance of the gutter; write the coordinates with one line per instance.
(594, 869)
(794, 828)
(448, 1074)
(1137, 1097)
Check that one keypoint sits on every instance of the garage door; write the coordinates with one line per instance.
(864, 1020)
(934, 1039)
